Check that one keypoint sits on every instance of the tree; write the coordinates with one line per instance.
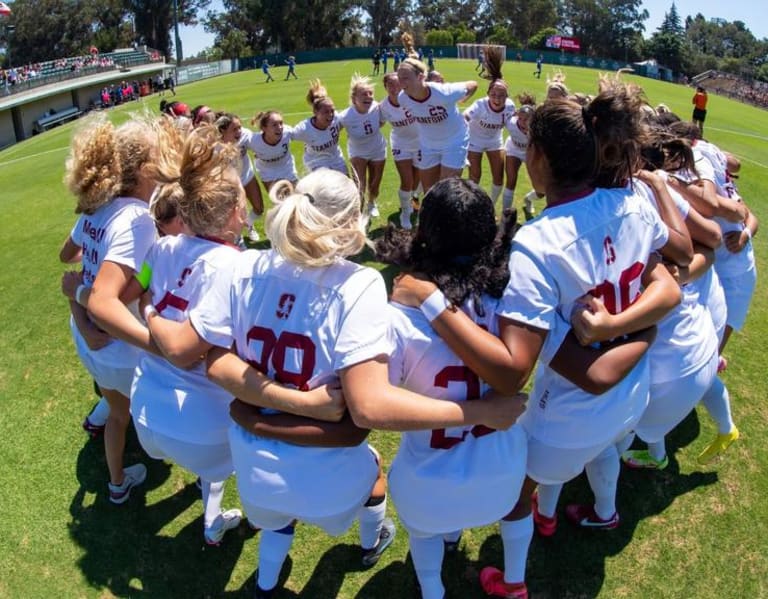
(523, 18)
(604, 27)
(154, 20)
(383, 19)
(671, 23)
(439, 37)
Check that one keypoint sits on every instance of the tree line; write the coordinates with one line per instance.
(45, 29)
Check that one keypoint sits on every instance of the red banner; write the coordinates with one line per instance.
(561, 42)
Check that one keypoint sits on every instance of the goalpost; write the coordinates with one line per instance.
(472, 51)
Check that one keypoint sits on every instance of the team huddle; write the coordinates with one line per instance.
(618, 298)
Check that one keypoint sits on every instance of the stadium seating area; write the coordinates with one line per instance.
(725, 84)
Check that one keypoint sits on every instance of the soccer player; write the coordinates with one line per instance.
(265, 66)
(404, 143)
(443, 132)
(320, 132)
(487, 118)
(514, 150)
(107, 172)
(366, 146)
(272, 149)
(291, 62)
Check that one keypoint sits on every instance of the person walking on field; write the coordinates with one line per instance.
(699, 102)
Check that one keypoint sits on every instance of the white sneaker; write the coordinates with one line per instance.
(253, 235)
(225, 521)
(373, 210)
(133, 477)
(405, 220)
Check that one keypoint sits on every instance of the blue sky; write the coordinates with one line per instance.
(194, 39)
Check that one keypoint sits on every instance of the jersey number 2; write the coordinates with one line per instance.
(457, 374)
(273, 349)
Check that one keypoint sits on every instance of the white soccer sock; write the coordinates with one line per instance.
(516, 537)
(371, 518)
(657, 450)
(427, 555)
(495, 193)
(548, 497)
(100, 413)
(529, 198)
(717, 402)
(419, 190)
(273, 549)
(603, 475)
(213, 495)
(252, 218)
(506, 199)
(405, 202)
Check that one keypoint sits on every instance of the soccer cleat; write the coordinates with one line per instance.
(492, 581)
(642, 458)
(545, 525)
(373, 210)
(225, 521)
(584, 515)
(718, 446)
(94, 430)
(133, 477)
(386, 536)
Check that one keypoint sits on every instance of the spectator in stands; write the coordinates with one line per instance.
(699, 102)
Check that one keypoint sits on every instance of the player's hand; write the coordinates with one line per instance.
(70, 281)
(735, 241)
(145, 300)
(94, 337)
(504, 409)
(591, 320)
(412, 289)
(326, 402)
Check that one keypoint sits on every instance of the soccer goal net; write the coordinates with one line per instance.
(472, 51)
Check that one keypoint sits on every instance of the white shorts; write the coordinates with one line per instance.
(454, 158)
(671, 401)
(210, 462)
(401, 155)
(337, 164)
(738, 295)
(101, 364)
(513, 151)
(549, 465)
(486, 146)
(270, 175)
(270, 520)
(379, 152)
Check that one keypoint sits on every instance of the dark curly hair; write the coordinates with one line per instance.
(457, 243)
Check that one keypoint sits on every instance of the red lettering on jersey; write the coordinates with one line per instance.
(610, 252)
(285, 305)
(273, 349)
(184, 274)
(173, 301)
(618, 302)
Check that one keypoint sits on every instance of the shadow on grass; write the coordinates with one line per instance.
(124, 547)
(572, 562)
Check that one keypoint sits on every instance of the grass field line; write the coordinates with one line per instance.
(748, 159)
(15, 160)
(743, 133)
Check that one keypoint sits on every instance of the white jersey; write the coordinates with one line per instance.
(273, 161)
(517, 142)
(486, 125)
(448, 479)
(727, 263)
(246, 167)
(122, 232)
(598, 244)
(404, 135)
(182, 403)
(321, 146)
(438, 120)
(364, 137)
(301, 327)
(685, 339)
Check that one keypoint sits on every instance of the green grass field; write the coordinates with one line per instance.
(688, 531)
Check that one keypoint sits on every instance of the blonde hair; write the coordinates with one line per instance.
(317, 221)
(557, 85)
(92, 169)
(200, 176)
(317, 94)
(106, 162)
(359, 82)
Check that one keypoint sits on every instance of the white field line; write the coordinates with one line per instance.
(29, 156)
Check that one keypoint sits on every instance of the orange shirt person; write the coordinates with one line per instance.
(699, 102)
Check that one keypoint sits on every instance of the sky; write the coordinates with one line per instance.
(195, 39)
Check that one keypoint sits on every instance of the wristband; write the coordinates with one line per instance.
(434, 305)
(79, 294)
(748, 231)
(148, 312)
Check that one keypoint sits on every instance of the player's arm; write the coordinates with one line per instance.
(70, 252)
(298, 430)
(374, 403)
(178, 342)
(242, 380)
(471, 87)
(109, 312)
(736, 241)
